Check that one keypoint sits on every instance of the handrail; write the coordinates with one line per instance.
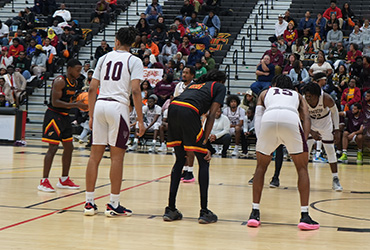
(267, 8)
(146, 2)
(45, 91)
(137, 7)
(272, 4)
(235, 62)
(242, 45)
(91, 49)
(127, 23)
(249, 35)
(256, 26)
(260, 13)
(227, 72)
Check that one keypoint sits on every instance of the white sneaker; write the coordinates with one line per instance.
(336, 185)
(133, 147)
(152, 148)
(235, 152)
(162, 148)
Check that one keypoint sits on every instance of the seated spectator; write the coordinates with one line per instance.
(199, 69)
(112, 5)
(282, 47)
(22, 64)
(292, 58)
(62, 16)
(15, 48)
(299, 75)
(184, 47)
(6, 90)
(289, 19)
(143, 27)
(347, 15)
(180, 27)
(329, 24)
(28, 22)
(198, 33)
(350, 95)
(76, 31)
(58, 30)
(152, 47)
(355, 69)
(38, 62)
(220, 133)
(178, 59)
(153, 11)
(280, 26)
(197, 5)
(249, 101)
(366, 27)
(276, 58)
(136, 44)
(4, 32)
(333, 9)
(353, 53)
(365, 74)
(334, 36)
(85, 69)
(340, 81)
(36, 36)
(248, 130)
(366, 43)
(66, 43)
(146, 91)
(141, 51)
(337, 55)
(213, 23)
(320, 22)
(53, 37)
(186, 10)
(160, 21)
(318, 40)
(173, 35)
(194, 56)
(290, 36)
(265, 72)
(207, 61)
(356, 37)
(168, 52)
(146, 62)
(3, 102)
(321, 65)
(5, 57)
(51, 52)
(306, 23)
(103, 49)
(158, 36)
(353, 132)
(17, 84)
(211, 5)
(164, 89)
(101, 11)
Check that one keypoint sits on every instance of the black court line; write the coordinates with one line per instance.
(354, 230)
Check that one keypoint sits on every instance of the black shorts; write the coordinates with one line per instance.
(185, 129)
(56, 128)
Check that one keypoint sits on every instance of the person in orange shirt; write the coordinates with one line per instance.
(153, 47)
(16, 48)
(317, 40)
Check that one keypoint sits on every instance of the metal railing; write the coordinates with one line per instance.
(137, 7)
(249, 35)
(260, 13)
(267, 8)
(256, 26)
(235, 62)
(227, 72)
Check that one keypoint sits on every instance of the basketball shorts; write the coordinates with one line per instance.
(325, 127)
(56, 128)
(281, 127)
(185, 129)
(110, 124)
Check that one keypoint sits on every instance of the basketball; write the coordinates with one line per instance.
(84, 96)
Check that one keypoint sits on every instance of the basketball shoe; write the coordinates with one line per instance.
(274, 182)
(119, 211)
(319, 159)
(359, 158)
(343, 158)
(67, 184)
(336, 184)
(45, 186)
(207, 216)
(254, 218)
(184, 173)
(306, 222)
(163, 147)
(90, 209)
(189, 177)
(250, 182)
(171, 215)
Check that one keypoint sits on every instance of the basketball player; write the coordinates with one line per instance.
(323, 114)
(185, 133)
(278, 122)
(57, 125)
(116, 74)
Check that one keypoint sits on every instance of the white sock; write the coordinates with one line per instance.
(163, 144)
(304, 209)
(190, 169)
(90, 197)
(359, 150)
(318, 152)
(154, 142)
(256, 206)
(339, 152)
(136, 140)
(63, 178)
(236, 147)
(345, 151)
(185, 168)
(114, 200)
(334, 174)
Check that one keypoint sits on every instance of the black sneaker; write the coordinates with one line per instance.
(183, 174)
(119, 211)
(250, 182)
(254, 218)
(189, 177)
(306, 223)
(171, 215)
(274, 182)
(206, 216)
(90, 209)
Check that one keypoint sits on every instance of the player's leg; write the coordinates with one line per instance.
(332, 158)
(48, 161)
(344, 157)
(359, 140)
(279, 156)
(189, 167)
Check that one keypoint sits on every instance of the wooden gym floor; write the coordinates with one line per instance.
(35, 220)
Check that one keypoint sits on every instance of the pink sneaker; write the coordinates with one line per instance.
(189, 177)
(306, 223)
(254, 218)
(67, 184)
(45, 186)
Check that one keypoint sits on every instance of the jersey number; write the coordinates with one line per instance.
(117, 71)
(284, 92)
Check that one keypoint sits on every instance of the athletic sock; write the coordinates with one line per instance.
(334, 174)
(185, 168)
(90, 197)
(304, 209)
(114, 200)
(154, 142)
(63, 178)
(339, 152)
(136, 140)
(345, 151)
(359, 150)
(256, 206)
(318, 153)
(190, 169)
(163, 144)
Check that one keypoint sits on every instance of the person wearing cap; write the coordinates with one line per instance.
(168, 51)
(198, 33)
(153, 47)
(213, 23)
(5, 58)
(178, 59)
(38, 62)
(4, 32)
(174, 35)
(85, 68)
(194, 56)
(249, 101)
(76, 31)
(15, 48)
(280, 27)
(276, 58)
(17, 82)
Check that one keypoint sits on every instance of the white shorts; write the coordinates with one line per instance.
(281, 127)
(325, 127)
(155, 126)
(110, 124)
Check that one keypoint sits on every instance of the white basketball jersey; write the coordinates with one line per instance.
(319, 111)
(234, 117)
(277, 98)
(115, 71)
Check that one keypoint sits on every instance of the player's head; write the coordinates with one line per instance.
(74, 68)
(125, 36)
(213, 75)
(188, 73)
(320, 78)
(312, 92)
(282, 81)
(233, 101)
(356, 108)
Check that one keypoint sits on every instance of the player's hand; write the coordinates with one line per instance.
(141, 129)
(208, 156)
(316, 135)
(81, 105)
(90, 123)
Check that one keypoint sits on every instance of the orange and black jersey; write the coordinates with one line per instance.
(68, 93)
(200, 96)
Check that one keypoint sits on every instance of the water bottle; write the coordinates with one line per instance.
(6, 104)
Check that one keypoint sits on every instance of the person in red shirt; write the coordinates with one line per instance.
(290, 36)
(180, 27)
(334, 9)
(353, 53)
(16, 48)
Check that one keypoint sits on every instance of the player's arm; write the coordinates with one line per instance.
(305, 116)
(57, 93)
(360, 131)
(329, 102)
(260, 109)
(136, 97)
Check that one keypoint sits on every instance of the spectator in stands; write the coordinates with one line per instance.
(178, 58)
(5, 58)
(356, 37)
(340, 81)
(146, 90)
(152, 47)
(350, 95)
(17, 83)
(103, 49)
(146, 62)
(333, 9)
(198, 33)
(220, 133)
(38, 62)
(22, 64)
(173, 35)
(66, 43)
(353, 132)
(265, 72)
(51, 52)
(53, 37)
(289, 19)
(164, 89)
(184, 47)
(199, 69)
(249, 101)
(276, 58)
(280, 26)
(20, 35)
(159, 36)
(347, 15)
(101, 11)
(306, 23)
(76, 31)
(186, 10)
(321, 65)
(62, 16)
(85, 68)
(112, 5)
(299, 75)
(334, 36)
(168, 52)
(211, 5)
(15, 48)
(365, 74)
(290, 36)
(353, 53)
(207, 61)
(194, 56)
(337, 55)
(292, 58)
(355, 69)
(366, 27)
(330, 23)
(160, 20)
(180, 27)
(36, 36)
(366, 43)
(153, 11)
(320, 22)
(4, 32)
(143, 27)
(28, 21)
(318, 40)
(213, 23)
(58, 30)
(141, 51)
(281, 45)
(5, 88)
(3, 100)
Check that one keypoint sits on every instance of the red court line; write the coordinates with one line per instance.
(79, 204)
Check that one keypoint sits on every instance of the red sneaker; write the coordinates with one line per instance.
(45, 186)
(67, 184)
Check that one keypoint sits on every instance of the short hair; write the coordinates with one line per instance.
(126, 36)
(367, 58)
(357, 105)
(318, 76)
(73, 62)
(368, 91)
(313, 89)
(192, 69)
(283, 82)
(355, 46)
(213, 75)
(34, 30)
(231, 98)
(16, 40)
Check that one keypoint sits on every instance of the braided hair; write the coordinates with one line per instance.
(213, 75)
(313, 89)
(283, 82)
(126, 36)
